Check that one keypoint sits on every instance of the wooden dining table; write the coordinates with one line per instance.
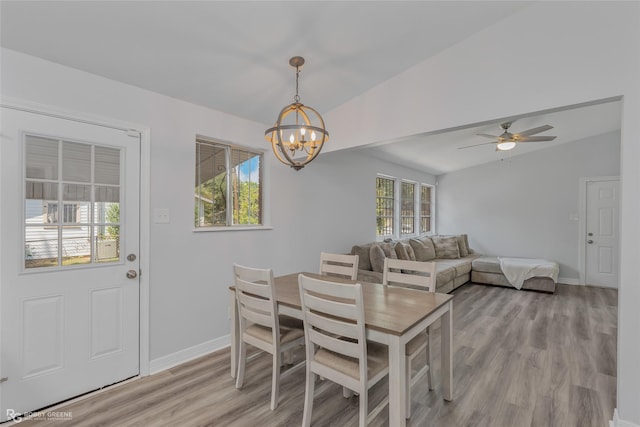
(393, 316)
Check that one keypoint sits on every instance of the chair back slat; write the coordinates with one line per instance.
(337, 308)
(334, 326)
(335, 344)
(339, 265)
(410, 273)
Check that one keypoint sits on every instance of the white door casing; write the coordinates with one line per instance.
(601, 232)
(70, 329)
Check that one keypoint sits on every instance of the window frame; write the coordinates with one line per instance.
(394, 198)
(432, 193)
(415, 205)
(229, 214)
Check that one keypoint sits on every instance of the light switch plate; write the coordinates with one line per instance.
(161, 216)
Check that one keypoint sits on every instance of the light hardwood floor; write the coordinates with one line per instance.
(520, 359)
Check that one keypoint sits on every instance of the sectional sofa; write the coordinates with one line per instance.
(451, 253)
(456, 262)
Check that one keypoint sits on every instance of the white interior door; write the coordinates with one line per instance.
(69, 218)
(602, 233)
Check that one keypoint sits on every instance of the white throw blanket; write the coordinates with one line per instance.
(517, 270)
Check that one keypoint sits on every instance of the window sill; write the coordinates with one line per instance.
(232, 228)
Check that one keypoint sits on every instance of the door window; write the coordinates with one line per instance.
(71, 203)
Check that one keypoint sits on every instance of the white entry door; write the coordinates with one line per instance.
(69, 286)
(603, 199)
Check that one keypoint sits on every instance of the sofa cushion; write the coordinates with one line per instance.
(487, 265)
(379, 252)
(423, 248)
(444, 274)
(461, 266)
(364, 262)
(446, 247)
(463, 246)
(405, 251)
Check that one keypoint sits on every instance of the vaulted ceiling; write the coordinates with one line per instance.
(233, 56)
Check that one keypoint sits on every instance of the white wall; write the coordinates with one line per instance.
(328, 206)
(520, 206)
(549, 55)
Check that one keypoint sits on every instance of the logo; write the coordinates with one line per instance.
(18, 417)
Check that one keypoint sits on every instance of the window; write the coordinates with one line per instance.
(425, 208)
(70, 213)
(413, 206)
(385, 206)
(408, 207)
(228, 187)
(71, 203)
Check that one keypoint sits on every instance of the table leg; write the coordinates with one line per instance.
(397, 382)
(233, 313)
(447, 352)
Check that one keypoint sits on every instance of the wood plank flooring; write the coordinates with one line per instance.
(520, 359)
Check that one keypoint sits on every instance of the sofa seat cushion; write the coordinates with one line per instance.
(444, 273)
(487, 265)
(461, 266)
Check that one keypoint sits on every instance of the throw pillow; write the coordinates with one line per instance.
(462, 246)
(423, 248)
(376, 254)
(362, 251)
(410, 251)
(446, 247)
(401, 251)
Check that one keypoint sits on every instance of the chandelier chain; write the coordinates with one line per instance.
(297, 97)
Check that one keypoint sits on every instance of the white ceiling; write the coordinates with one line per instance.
(233, 56)
(440, 153)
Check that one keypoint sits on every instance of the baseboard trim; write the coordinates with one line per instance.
(182, 356)
(568, 281)
(617, 422)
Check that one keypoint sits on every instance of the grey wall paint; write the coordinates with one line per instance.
(520, 206)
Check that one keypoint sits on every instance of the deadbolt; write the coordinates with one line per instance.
(132, 274)
(131, 257)
(589, 234)
(590, 242)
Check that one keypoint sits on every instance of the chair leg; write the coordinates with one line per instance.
(364, 410)
(242, 360)
(308, 398)
(347, 393)
(407, 389)
(429, 359)
(275, 380)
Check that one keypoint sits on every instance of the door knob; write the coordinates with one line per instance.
(590, 242)
(132, 274)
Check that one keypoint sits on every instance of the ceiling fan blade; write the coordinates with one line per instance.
(537, 138)
(535, 130)
(486, 135)
(477, 145)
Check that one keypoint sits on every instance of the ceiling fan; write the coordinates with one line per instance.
(508, 141)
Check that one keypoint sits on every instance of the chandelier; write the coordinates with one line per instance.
(299, 134)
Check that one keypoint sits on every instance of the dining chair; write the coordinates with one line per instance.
(420, 275)
(336, 345)
(339, 265)
(261, 326)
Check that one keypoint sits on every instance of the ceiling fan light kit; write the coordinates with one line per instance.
(508, 141)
